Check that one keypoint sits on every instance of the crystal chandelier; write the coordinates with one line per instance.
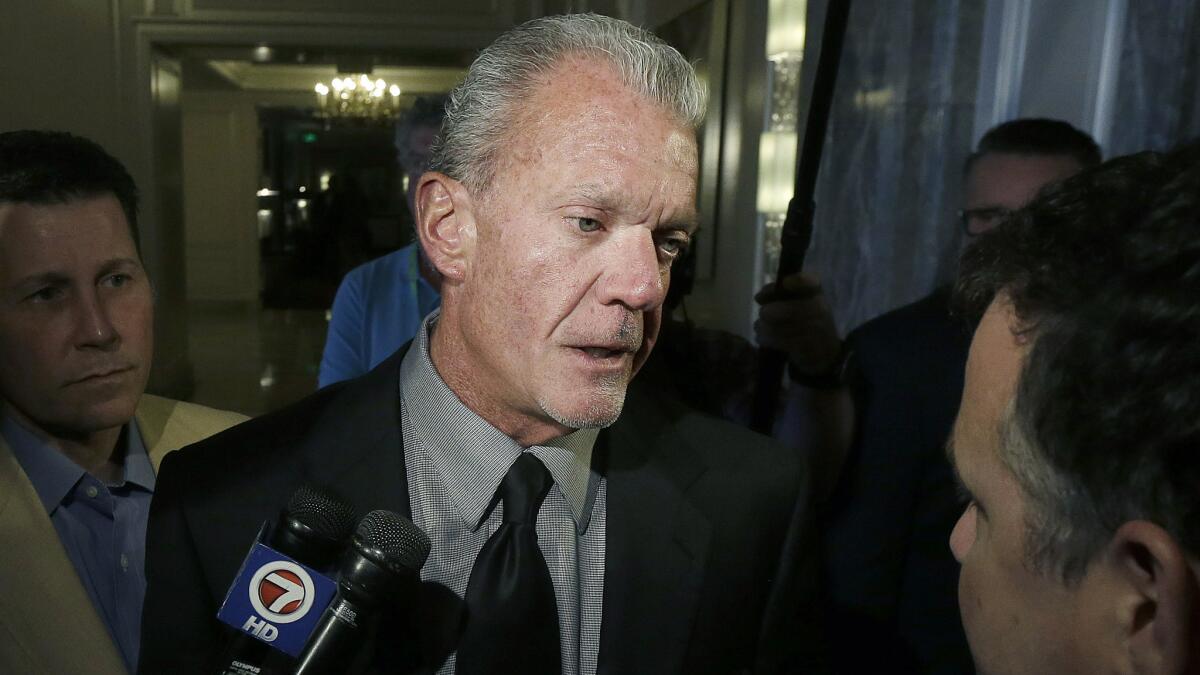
(358, 98)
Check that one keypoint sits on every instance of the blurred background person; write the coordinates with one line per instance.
(379, 305)
(892, 579)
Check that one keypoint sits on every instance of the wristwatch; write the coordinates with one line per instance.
(835, 377)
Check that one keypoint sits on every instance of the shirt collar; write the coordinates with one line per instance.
(471, 456)
(53, 475)
(138, 469)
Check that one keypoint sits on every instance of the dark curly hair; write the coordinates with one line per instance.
(54, 167)
(1103, 272)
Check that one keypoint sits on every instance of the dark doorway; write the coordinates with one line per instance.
(333, 200)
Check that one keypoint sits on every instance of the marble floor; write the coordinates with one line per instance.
(253, 360)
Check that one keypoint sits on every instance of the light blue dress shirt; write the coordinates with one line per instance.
(101, 526)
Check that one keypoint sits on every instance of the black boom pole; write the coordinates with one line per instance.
(798, 224)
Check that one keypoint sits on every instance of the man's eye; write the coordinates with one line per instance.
(674, 246)
(586, 224)
(46, 294)
(116, 280)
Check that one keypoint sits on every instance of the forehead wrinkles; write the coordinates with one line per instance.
(583, 105)
(681, 151)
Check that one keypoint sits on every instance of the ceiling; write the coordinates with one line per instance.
(297, 77)
(298, 69)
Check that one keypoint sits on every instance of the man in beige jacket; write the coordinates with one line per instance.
(80, 443)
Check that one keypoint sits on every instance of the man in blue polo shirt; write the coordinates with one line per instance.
(379, 305)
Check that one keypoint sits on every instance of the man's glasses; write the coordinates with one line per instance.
(977, 221)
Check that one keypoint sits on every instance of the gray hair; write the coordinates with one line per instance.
(481, 108)
(1063, 530)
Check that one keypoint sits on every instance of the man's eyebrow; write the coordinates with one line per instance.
(597, 193)
(601, 197)
(118, 263)
(42, 279)
(58, 278)
(689, 223)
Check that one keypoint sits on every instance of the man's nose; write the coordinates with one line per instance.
(93, 325)
(963, 534)
(633, 274)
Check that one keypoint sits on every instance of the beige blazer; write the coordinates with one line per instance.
(47, 621)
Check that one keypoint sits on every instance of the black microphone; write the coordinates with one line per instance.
(314, 527)
(311, 530)
(386, 552)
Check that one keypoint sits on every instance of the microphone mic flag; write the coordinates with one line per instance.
(386, 552)
(279, 593)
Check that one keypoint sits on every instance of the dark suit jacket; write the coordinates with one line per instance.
(892, 578)
(708, 564)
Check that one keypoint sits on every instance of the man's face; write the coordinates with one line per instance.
(1000, 183)
(592, 200)
(76, 315)
(1017, 619)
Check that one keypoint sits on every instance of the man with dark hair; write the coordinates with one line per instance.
(1078, 439)
(1013, 161)
(573, 531)
(79, 442)
(891, 577)
(379, 304)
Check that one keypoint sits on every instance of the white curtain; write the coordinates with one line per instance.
(901, 125)
(1158, 86)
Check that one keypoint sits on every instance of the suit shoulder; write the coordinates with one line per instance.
(729, 444)
(723, 443)
(274, 429)
(904, 320)
(196, 414)
(734, 455)
(923, 327)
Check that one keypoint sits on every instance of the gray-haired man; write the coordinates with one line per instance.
(562, 189)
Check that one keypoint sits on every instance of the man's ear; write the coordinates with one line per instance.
(445, 223)
(1159, 598)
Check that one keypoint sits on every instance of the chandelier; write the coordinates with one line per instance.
(358, 98)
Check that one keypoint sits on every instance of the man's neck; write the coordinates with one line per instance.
(449, 359)
(98, 452)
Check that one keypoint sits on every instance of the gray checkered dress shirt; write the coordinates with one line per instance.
(455, 462)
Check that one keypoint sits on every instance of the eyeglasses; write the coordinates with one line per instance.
(977, 221)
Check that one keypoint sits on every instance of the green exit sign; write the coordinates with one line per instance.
(309, 137)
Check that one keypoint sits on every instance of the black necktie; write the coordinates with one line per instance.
(512, 617)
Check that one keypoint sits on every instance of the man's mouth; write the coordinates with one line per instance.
(102, 374)
(603, 352)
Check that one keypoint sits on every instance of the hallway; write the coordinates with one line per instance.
(251, 360)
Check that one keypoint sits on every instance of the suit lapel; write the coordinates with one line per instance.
(158, 434)
(656, 545)
(42, 589)
(360, 451)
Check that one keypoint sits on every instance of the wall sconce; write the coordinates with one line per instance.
(786, 23)
(786, 28)
(776, 169)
